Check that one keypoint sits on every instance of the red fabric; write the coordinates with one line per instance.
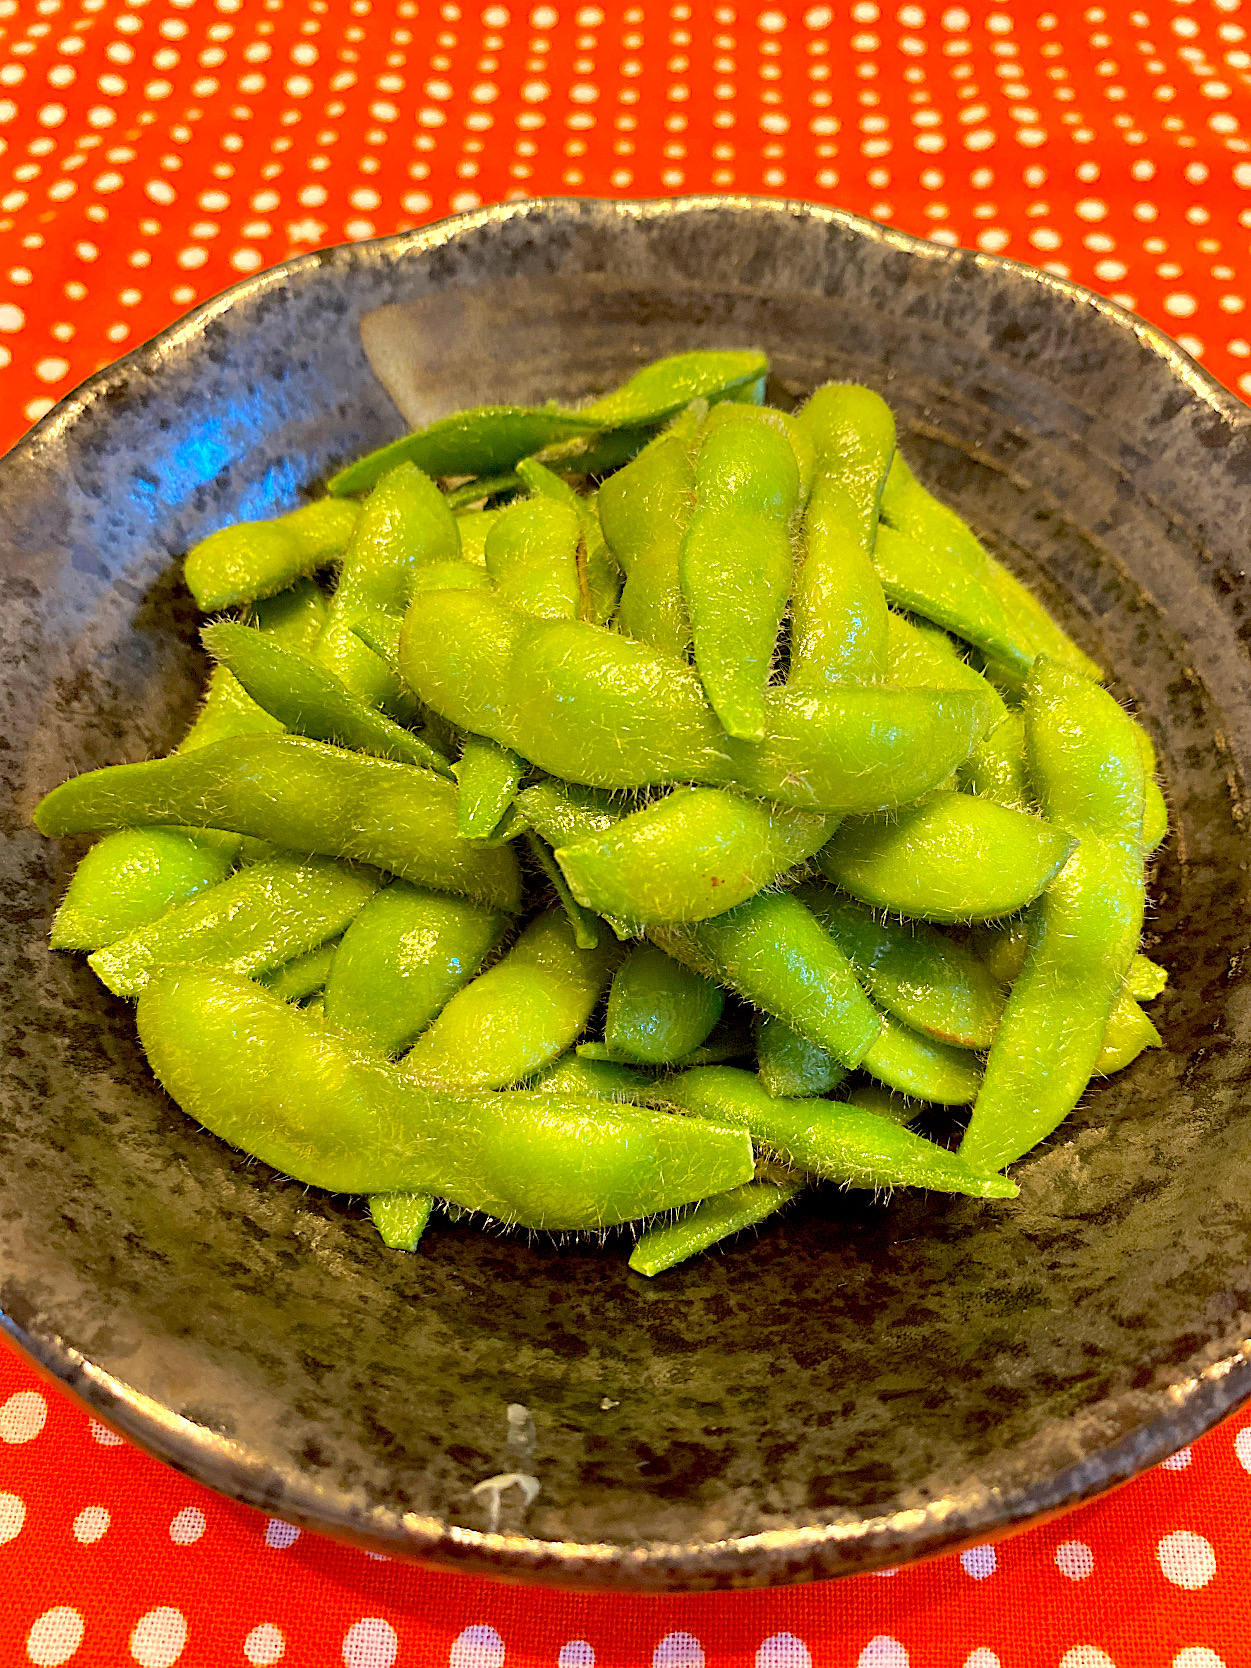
(156, 150)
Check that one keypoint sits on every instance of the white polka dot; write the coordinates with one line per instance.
(981, 1658)
(979, 1562)
(372, 1643)
(1187, 1560)
(24, 1414)
(280, 1534)
(104, 1436)
(188, 1525)
(678, 1650)
(883, 1652)
(12, 1517)
(264, 1645)
(1242, 1447)
(576, 1653)
(1086, 1656)
(1180, 305)
(160, 191)
(157, 1639)
(55, 1637)
(246, 260)
(11, 317)
(192, 257)
(993, 239)
(52, 115)
(35, 409)
(465, 200)
(1197, 1656)
(1074, 1559)
(1181, 1459)
(783, 1650)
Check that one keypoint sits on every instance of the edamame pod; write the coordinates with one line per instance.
(734, 566)
(996, 767)
(573, 1075)
(830, 1138)
(667, 385)
(259, 918)
(264, 1077)
(402, 960)
(584, 922)
(645, 510)
(950, 596)
(693, 854)
(473, 527)
(658, 1010)
(532, 555)
(708, 1222)
(777, 955)
(254, 559)
(599, 577)
(914, 511)
(922, 656)
(130, 878)
(134, 875)
(485, 441)
(790, 1066)
(564, 812)
(303, 795)
(309, 700)
(404, 526)
(302, 976)
(1127, 1033)
(950, 858)
(919, 1066)
(919, 974)
(400, 1218)
(596, 708)
(838, 627)
(519, 1016)
(487, 775)
(1088, 774)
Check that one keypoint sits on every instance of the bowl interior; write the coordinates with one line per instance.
(869, 1379)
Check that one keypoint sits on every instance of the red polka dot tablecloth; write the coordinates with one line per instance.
(154, 151)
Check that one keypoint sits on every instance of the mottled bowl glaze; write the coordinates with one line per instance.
(864, 1383)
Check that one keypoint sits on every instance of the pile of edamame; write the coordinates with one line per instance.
(629, 814)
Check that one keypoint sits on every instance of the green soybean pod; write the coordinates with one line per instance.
(483, 441)
(130, 878)
(693, 854)
(404, 526)
(259, 918)
(402, 960)
(564, 812)
(1128, 1032)
(708, 1222)
(302, 795)
(584, 922)
(790, 1066)
(594, 707)
(658, 1010)
(645, 510)
(532, 555)
(922, 656)
(307, 699)
(830, 1138)
(747, 484)
(519, 1016)
(487, 775)
(796, 435)
(667, 385)
(937, 588)
(919, 1066)
(400, 1218)
(599, 576)
(996, 768)
(254, 559)
(304, 975)
(886, 1103)
(473, 527)
(775, 953)
(925, 978)
(838, 627)
(1088, 772)
(573, 1075)
(265, 1077)
(952, 857)
(914, 511)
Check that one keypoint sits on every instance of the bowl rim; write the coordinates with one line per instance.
(1190, 1406)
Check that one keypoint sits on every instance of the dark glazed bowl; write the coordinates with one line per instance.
(865, 1382)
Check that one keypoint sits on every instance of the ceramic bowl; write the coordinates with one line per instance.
(864, 1382)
